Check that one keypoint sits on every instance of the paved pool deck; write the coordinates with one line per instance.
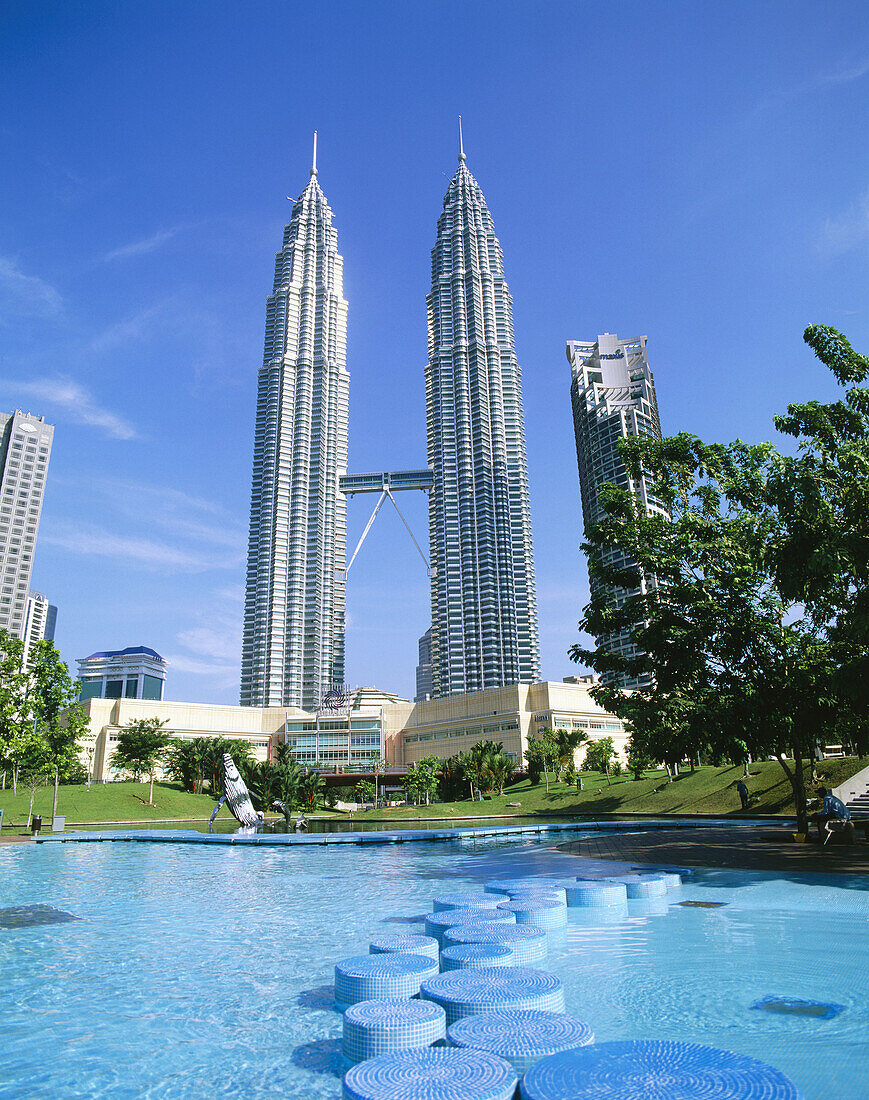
(761, 847)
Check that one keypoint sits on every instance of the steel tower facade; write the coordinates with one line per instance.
(484, 607)
(293, 642)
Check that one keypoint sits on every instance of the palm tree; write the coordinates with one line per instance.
(566, 744)
(310, 788)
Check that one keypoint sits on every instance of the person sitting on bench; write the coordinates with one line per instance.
(834, 817)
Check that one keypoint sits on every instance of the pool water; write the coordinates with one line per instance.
(200, 971)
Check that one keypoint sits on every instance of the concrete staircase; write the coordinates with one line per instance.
(854, 792)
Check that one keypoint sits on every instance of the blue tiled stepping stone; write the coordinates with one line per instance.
(596, 892)
(466, 901)
(437, 923)
(642, 886)
(376, 977)
(434, 1074)
(517, 885)
(474, 956)
(469, 992)
(521, 1036)
(408, 943)
(378, 1027)
(537, 910)
(551, 893)
(528, 943)
(654, 1070)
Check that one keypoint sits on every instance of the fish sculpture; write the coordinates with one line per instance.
(236, 796)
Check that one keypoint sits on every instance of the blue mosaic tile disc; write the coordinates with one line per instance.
(521, 1036)
(466, 901)
(596, 892)
(469, 992)
(434, 1074)
(654, 1070)
(551, 893)
(372, 977)
(410, 944)
(474, 956)
(528, 943)
(372, 1028)
(437, 923)
(517, 885)
(538, 911)
(642, 886)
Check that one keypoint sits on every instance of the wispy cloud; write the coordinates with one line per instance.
(213, 644)
(151, 554)
(25, 294)
(844, 75)
(179, 514)
(135, 327)
(142, 247)
(77, 404)
(847, 230)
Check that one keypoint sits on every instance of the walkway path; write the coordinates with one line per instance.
(747, 847)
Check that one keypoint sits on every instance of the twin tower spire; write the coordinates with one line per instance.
(484, 612)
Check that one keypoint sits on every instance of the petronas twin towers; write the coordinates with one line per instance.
(484, 611)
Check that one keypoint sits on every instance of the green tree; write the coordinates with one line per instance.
(820, 554)
(141, 746)
(377, 764)
(364, 791)
(752, 626)
(266, 784)
(310, 790)
(60, 720)
(35, 768)
(16, 709)
(423, 779)
(541, 754)
(639, 761)
(456, 777)
(566, 742)
(599, 755)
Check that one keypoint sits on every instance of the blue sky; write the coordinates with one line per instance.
(696, 172)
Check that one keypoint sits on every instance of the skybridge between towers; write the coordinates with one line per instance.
(386, 483)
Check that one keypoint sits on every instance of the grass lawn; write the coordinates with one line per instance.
(108, 802)
(708, 791)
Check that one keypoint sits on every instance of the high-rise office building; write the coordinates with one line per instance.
(423, 669)
(293, 642)
(25, 447)
(40, 621)
(613, 396)
(484, 607)
(136, 672)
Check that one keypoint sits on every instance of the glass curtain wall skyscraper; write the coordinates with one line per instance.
(293, 642)
(613, 396)
(484, 608)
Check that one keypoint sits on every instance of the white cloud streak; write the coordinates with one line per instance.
(136, 327)
(25, 294)
(848, 230)
(151, 554)
(78, 405)
(143, 247)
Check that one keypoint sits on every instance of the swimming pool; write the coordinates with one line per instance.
(199, 970)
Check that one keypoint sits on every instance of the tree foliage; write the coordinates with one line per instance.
(141, 746)
(423, 779)
(40, 717)
(599, 755)
(747, 595)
